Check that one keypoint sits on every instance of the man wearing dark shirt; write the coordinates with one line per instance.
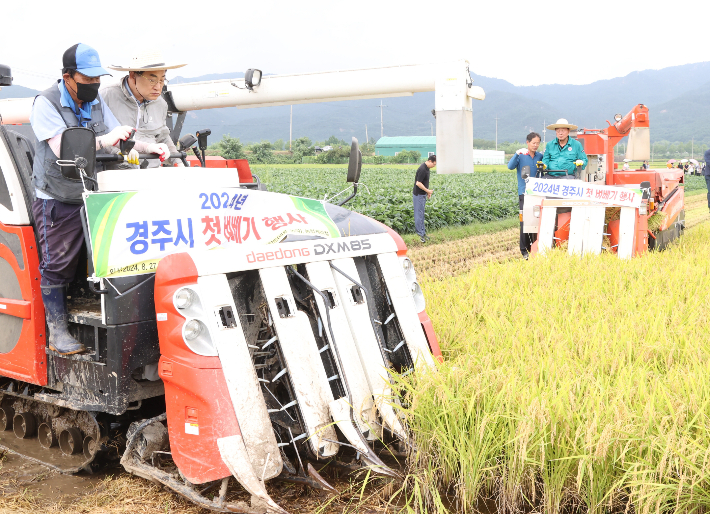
(420, 195)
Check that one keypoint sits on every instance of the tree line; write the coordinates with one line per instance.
(266, 152)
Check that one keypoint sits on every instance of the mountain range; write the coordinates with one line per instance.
(678, 99)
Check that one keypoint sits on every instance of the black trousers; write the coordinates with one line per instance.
(526, 240)
(61, 237)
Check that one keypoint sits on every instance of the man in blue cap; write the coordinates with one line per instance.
(74, 101)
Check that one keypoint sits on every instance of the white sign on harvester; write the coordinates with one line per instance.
(131, 231)
(580, 190)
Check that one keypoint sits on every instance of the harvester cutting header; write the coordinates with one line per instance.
(604, 208)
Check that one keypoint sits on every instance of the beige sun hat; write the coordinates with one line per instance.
(562, 123)
(150, 59)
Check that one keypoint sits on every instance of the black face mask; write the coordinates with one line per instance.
(87, 92)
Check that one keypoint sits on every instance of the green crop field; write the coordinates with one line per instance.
(385, 193)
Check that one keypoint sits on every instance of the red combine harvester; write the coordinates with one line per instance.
(230, 332)
(625, 212)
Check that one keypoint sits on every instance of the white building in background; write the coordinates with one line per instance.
(488, 157)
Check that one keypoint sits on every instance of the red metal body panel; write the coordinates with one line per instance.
(431, 336)
(672, 208)
(211, 161)
(195, 388)
(16, 308)
(26, 361)
(641, 239)
(198, 398)
(564, 220)
(174, 272)
(614, 229)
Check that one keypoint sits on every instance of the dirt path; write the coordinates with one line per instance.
(443, 260)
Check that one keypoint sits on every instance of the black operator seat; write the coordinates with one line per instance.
(21, 141)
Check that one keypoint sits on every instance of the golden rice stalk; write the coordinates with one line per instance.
(656, 220)
(569, 384)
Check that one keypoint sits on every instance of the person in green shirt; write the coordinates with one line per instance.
(564, 154)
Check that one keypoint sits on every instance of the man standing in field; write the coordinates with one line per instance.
(564, 154)
(526, 157)
(420, 195)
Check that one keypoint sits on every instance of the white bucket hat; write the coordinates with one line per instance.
(562, 123)
(151, 59)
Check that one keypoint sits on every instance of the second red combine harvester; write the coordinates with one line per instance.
(626, 212)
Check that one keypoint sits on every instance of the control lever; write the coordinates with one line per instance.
(540, 168)
(197, 154)
(185, 143)
(126, 146)
(202, 142)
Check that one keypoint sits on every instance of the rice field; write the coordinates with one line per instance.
(569, 384)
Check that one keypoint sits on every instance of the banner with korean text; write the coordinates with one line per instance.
(130, 232)
(580, 190)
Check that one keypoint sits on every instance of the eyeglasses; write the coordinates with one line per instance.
(153, 82)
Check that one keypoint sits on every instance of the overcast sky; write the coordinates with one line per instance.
(526, 43)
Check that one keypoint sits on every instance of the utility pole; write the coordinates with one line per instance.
(496, 132)
(544, 131)
(290, 130)
(382, 126)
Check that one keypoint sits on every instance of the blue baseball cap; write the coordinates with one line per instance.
(83, 59)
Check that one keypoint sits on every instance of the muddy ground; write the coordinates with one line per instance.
(29, 488)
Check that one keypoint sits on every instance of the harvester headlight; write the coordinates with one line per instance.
(183, 298)
(418, 297)
(192, 329)
(643, 209)
(618, 117)
(536, 211)
(407, 265)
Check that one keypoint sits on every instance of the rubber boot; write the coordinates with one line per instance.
(55, 308)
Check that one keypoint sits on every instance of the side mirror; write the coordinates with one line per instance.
(355, 162)
(202, 138)
(79, 146)
(525, 172)
(5, 75)
(252, 78)
(186, 142)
